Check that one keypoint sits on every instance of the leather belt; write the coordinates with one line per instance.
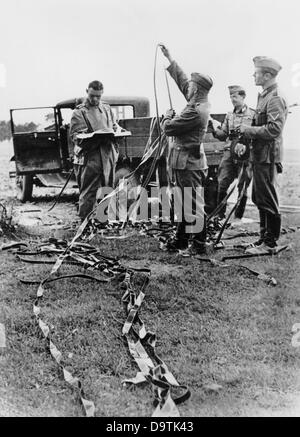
(191, 148)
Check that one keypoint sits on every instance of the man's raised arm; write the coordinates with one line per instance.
(176, 72)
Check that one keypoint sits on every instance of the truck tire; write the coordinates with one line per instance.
(24, 186)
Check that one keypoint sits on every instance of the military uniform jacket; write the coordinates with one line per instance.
(98, 117)
(188, 129)
(269, 120)
(233, 120)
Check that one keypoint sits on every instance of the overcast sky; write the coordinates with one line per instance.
(51, 49)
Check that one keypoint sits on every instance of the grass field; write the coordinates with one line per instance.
(221, 331)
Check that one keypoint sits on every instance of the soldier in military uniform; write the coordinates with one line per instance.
(94, 158)
(186, 161)
(231, 166)
(266, 151)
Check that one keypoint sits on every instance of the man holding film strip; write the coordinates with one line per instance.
(187, 163)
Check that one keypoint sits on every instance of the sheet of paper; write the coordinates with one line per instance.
(118, 133)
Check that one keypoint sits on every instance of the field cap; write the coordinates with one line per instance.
(266, 63)
(235, 89)
(202, 80)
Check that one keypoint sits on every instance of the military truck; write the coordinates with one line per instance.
(43, 155)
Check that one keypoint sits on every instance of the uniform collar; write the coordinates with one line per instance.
(268, 90)
(88, 105)
(197, 103)
(241, 111)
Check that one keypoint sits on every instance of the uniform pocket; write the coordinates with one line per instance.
(247, 121)
(261, 153)
(261, 118)
(195, 152)
(180, 159)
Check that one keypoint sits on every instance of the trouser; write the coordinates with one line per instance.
(97, 171)
(265, 197)
(229, 170)
(211, 190)
(189, 203)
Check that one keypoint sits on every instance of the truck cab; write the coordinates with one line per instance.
(43, 150)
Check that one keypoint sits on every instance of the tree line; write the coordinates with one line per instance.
(5, 129)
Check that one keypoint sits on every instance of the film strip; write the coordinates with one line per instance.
(141, 343)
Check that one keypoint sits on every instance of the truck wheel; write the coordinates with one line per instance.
(24, 186)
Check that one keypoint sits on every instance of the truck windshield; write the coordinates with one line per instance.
(120, 112)
(124, 111)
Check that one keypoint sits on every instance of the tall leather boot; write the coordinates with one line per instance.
(273, 223)
(210, 193)
(221, 195)
(277, 226)
(273, 229)
(262, 227)
(200, 237)
(197, 244)
(180, 240)
(262, 230)
(239, 212)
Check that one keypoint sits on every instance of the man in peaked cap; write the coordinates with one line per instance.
(231, 166)
(187, 161)
(266, 151)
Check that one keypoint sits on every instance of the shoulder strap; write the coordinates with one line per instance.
(106, 112)
(87, 122)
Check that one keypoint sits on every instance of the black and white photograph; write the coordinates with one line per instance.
(149, 211)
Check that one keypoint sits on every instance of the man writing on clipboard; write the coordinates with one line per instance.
(95, 157)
